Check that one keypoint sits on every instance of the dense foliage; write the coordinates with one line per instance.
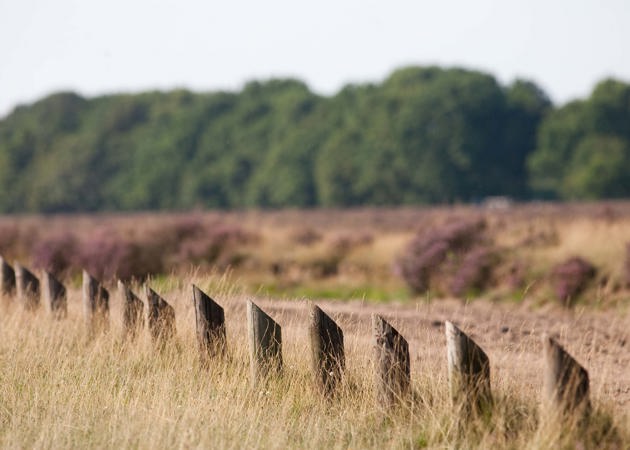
(584, 147)
(424, 135)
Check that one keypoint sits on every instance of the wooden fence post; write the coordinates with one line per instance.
(95, 304)
(328, 358)
(133, 320)
(468, 371)
(265, 344)
(392, 363)
(7, 279)
(54, 295)
(27, 287)
(210, 325)
(566, 382)
(161, 317)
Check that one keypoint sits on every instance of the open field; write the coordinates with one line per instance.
(61, 389)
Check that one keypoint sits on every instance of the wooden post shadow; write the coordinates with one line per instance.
(210, 326)
(468, 372)
(7, 280)
(27, 287)
(265, 344)
(133, 319)
(95, 304)
(565, 383)
(54, 295)
(392, 364)
(327, 350)
(161, 318)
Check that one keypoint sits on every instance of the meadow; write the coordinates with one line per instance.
(61, 387)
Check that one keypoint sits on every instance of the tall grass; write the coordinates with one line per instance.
(62, 389)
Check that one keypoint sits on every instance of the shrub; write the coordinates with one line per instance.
(9, 235)
(107, 255)
(216, 244)
(474, 272)
(56, 253)
(426, 252)
(306, 236)
(570, 278)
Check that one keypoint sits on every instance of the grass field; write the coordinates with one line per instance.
(62, 389)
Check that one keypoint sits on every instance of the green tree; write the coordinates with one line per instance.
(599, 168)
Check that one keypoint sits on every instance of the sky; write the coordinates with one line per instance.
(100, 47)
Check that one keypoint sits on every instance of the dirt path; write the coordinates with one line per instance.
(510, 335)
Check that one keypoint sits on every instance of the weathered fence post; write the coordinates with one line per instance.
(54, 295)
(328, 358)
(133, 319)
(468, 371)
(210, 325)
(7, 279)
(95, 304)
(392, 363)
(265, 343)
(566, 382)
(27, 287)
(161, 317)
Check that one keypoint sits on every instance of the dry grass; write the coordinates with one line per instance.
(60, 389)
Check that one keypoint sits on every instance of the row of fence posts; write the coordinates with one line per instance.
(565, 381)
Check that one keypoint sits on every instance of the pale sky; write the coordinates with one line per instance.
(107, 46)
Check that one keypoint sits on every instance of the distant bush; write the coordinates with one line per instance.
(306, 236)
(56, 253)
(570, 278)
(9, 234)
(426, 253)
(216, 244)
(106, 255)
(345, 242)
(474, 272)
(109, 251)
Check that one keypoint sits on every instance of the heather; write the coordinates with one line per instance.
(567, 253)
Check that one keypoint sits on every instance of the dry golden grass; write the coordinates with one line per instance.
(60, 389)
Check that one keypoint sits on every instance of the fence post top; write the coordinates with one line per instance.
(451, 329)
(252, 305)
(314, 308)
(152, 296)
(376, 317)
(198, 292)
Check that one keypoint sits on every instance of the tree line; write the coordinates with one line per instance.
(423, 135)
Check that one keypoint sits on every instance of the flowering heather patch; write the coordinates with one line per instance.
(216, 244)
(56, 253)
(306, 236)
(106, 255)
(570, 278)
(9, 234)
(474, 272)
(427, 252)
